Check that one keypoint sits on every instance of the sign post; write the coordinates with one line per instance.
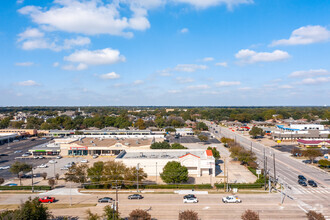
(258, 172)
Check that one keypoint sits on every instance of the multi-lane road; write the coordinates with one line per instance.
(287, 171)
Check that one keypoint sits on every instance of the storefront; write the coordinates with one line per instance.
(81, 151)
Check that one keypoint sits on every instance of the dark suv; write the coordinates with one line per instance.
(135, 196)
(312, 183)
(301, 182)
(301, 177)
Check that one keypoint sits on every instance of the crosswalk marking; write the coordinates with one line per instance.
(301, 190)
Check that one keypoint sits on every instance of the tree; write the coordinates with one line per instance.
(312, 215)
(43, 175)
(250, 215)
(140, 124)
(202, 126)
(77, 173)
(2, 180)
(188, 215)
(312, 154)
(324, 163)
(177, 146)
(57, 176)
(173, 172)
(139, 214)
(91, 215)
(31, 209)
(51, 182)
(95, 172)
(110, 213)
(215, 152)
(160, 145)
(255, 132)
(18, 167)
(202, 137)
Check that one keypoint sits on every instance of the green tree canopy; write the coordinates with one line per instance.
(18, 167)
(160, 145)
(174, 172)
(255, 132)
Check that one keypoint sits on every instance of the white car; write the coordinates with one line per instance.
(58, 157)
(18, 151)
(52, 161)
(231, 199)
(95, 156)
(190, 200)
(4, 168)
(64, 168)
(42, 166)
(25, 155)
(84, 161)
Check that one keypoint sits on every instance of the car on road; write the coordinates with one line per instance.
(302, 182)
(43, 138)
(64, 168)
(135, 196)
(18, 151)
(43, 166)
(301, 177)
(189, 196)
(84, 161)
(58, 157)
(312, 183)
(231, 199)
(25, 155)
(105, 199)
(47, 199)
(52, 161)
(190, 200)
(95, 156)
(5, 168)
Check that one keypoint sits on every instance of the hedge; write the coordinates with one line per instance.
(25, 188)
(241, 185)
(154, 186)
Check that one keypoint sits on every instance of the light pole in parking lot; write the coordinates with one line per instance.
(137, 177)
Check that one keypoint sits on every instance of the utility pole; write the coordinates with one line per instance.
(224, 177)
(227, 180)
(251, 146)
(32, 179)
(156, 173)
(70, 195)
(54, 169)
(116, 197)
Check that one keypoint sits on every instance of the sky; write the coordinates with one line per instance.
(164, 53)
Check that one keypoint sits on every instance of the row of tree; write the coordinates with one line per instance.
(166, 145)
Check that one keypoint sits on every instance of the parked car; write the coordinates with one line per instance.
(43, 166)
(189, 196)
(47, 199)
(105, 199)
(95, 156)
(64, 168)
(5, 168)
(52, 161)
(59, 157)
(43, 138)
(25, 155)
(302, 182)
(18, 151)
(312, 183)
(84, 161)
(190, 200)
(231, 199)
(40, 157)
(301, 177)
(135, 196)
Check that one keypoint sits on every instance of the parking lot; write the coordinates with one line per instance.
(23, 146)
(193, 139)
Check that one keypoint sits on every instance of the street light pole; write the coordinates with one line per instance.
(137, 177)
(156, 173)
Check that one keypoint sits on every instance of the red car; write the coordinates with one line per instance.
(47, 199)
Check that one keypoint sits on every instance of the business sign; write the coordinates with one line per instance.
(78, 148)
(258, 172)
(278, 141)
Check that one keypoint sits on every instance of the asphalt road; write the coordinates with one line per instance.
(168, 206)
(287, 171)
(24, 146)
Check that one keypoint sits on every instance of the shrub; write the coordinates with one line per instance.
(139, 214)
(324, 163)
(312, 215)
(160, 145)
(250, 215)
(43, 175)
(241, 185)
(188, 215)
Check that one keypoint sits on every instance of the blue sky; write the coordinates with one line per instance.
(165, 52)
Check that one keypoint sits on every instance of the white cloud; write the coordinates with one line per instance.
(174, 91)
(111, 75)
(184, 30)
(285, 87)
(79, 41)
(80, 66)
(138, 82)
(305, 35)
(30, 33)
(184, 80)
(28, 83)
(309, 73)
(24, 64)
(224, 64)
(56, 64)
(198, 87)
(250, 56)
(90, 17)
(189, 67)
(208, 3)
(227, 83)
(313, 81)
(96, 57)
(208, 59)
(245, 88)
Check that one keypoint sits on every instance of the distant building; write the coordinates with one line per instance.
(21, 132)
(307, 126)
(314, 143)
(184, 131)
